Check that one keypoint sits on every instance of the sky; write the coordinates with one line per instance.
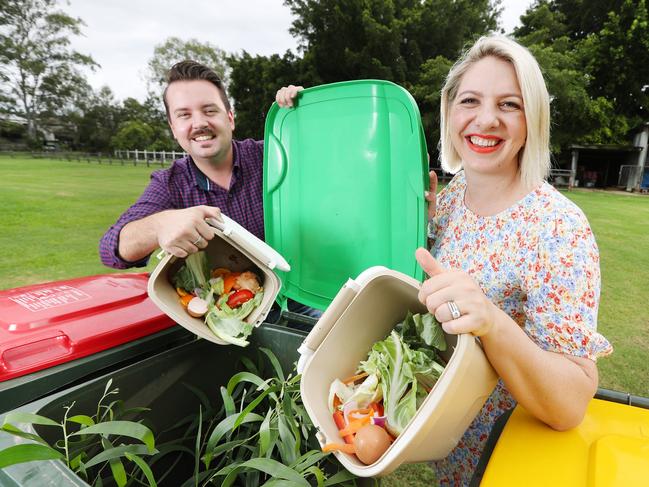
(121, 35)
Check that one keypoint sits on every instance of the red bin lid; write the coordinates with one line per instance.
(52, 323)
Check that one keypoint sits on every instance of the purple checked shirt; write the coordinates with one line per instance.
(183, 186)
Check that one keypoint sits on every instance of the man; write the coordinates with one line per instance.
(218, 174)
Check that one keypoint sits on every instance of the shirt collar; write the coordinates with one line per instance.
(203, 182)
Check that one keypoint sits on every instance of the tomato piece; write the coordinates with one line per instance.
(240, 297)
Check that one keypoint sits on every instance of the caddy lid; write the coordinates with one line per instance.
(345, 173)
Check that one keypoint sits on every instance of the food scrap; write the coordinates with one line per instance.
(372, 407)
(222, 297)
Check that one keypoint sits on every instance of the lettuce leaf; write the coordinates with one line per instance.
(406, 374)
(227, 323)
(231, 330)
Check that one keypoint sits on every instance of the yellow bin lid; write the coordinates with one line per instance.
(609, 448)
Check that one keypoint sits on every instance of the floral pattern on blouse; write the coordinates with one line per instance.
(538, 262)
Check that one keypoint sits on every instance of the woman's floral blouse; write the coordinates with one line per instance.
(537, 261)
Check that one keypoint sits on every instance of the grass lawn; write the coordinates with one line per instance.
(54, 213)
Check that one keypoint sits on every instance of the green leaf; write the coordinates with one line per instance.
(20, 417)
(82, 419)
(431, 332)
(264, 434)
(27, 453)
(224, 427)
(270, 467)
(339, 478)
(144, 467)
(308, 459)
(248, 364)
(119, 474)
(117, 452)
(287, 445)
(246, 377)
(10, 428)
(275, 363)
(317, 473)
(197, 445)
(122, 428)
(281, 483)
(228, 402)
(253, 404)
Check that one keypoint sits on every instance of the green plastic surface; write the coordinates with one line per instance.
(344, 178)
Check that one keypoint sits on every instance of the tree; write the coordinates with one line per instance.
(133, 135)
(596, 70)
(39, 69)
(387, 39)
(174, 50)
(617, 57)
(254, 82)
(96, 119)
(408, 42)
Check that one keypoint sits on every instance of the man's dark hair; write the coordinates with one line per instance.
(190, 71)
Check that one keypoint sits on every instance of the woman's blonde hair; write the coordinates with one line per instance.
(534, 160)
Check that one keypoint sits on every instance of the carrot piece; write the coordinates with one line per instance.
(186, 299)
(343, 447)
(229, 280)
(220, 272)
(339, 419)
(337, 401)
(354, 426)
(354, 378)
(378, 407)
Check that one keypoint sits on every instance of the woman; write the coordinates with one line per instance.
(515, 262)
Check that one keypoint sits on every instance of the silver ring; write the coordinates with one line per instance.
(455, 311)
(197, 240)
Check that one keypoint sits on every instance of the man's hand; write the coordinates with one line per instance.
(178, 232)
(184, 232)
(286, 95)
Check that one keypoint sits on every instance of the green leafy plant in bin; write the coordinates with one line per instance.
(91, 446)
(258, 435)
(261, 435)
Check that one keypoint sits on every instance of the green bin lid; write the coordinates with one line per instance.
(344, 178)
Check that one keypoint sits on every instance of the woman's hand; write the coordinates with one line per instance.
(431, 194)
(477, 313)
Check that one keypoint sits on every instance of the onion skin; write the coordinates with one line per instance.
(371, 442)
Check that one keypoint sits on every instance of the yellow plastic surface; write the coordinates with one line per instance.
(610, 448)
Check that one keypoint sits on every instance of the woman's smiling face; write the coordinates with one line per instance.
(487, 118)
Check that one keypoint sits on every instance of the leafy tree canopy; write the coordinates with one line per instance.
(40, 72)
(174, 50)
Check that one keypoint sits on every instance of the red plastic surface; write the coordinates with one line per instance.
(56, 322)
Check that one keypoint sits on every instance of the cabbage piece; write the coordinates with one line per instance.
(367, 391)
(340, 389)
(194, 273)
(399, 368)
(231, 330)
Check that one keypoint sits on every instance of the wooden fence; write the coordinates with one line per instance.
(131, 157)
